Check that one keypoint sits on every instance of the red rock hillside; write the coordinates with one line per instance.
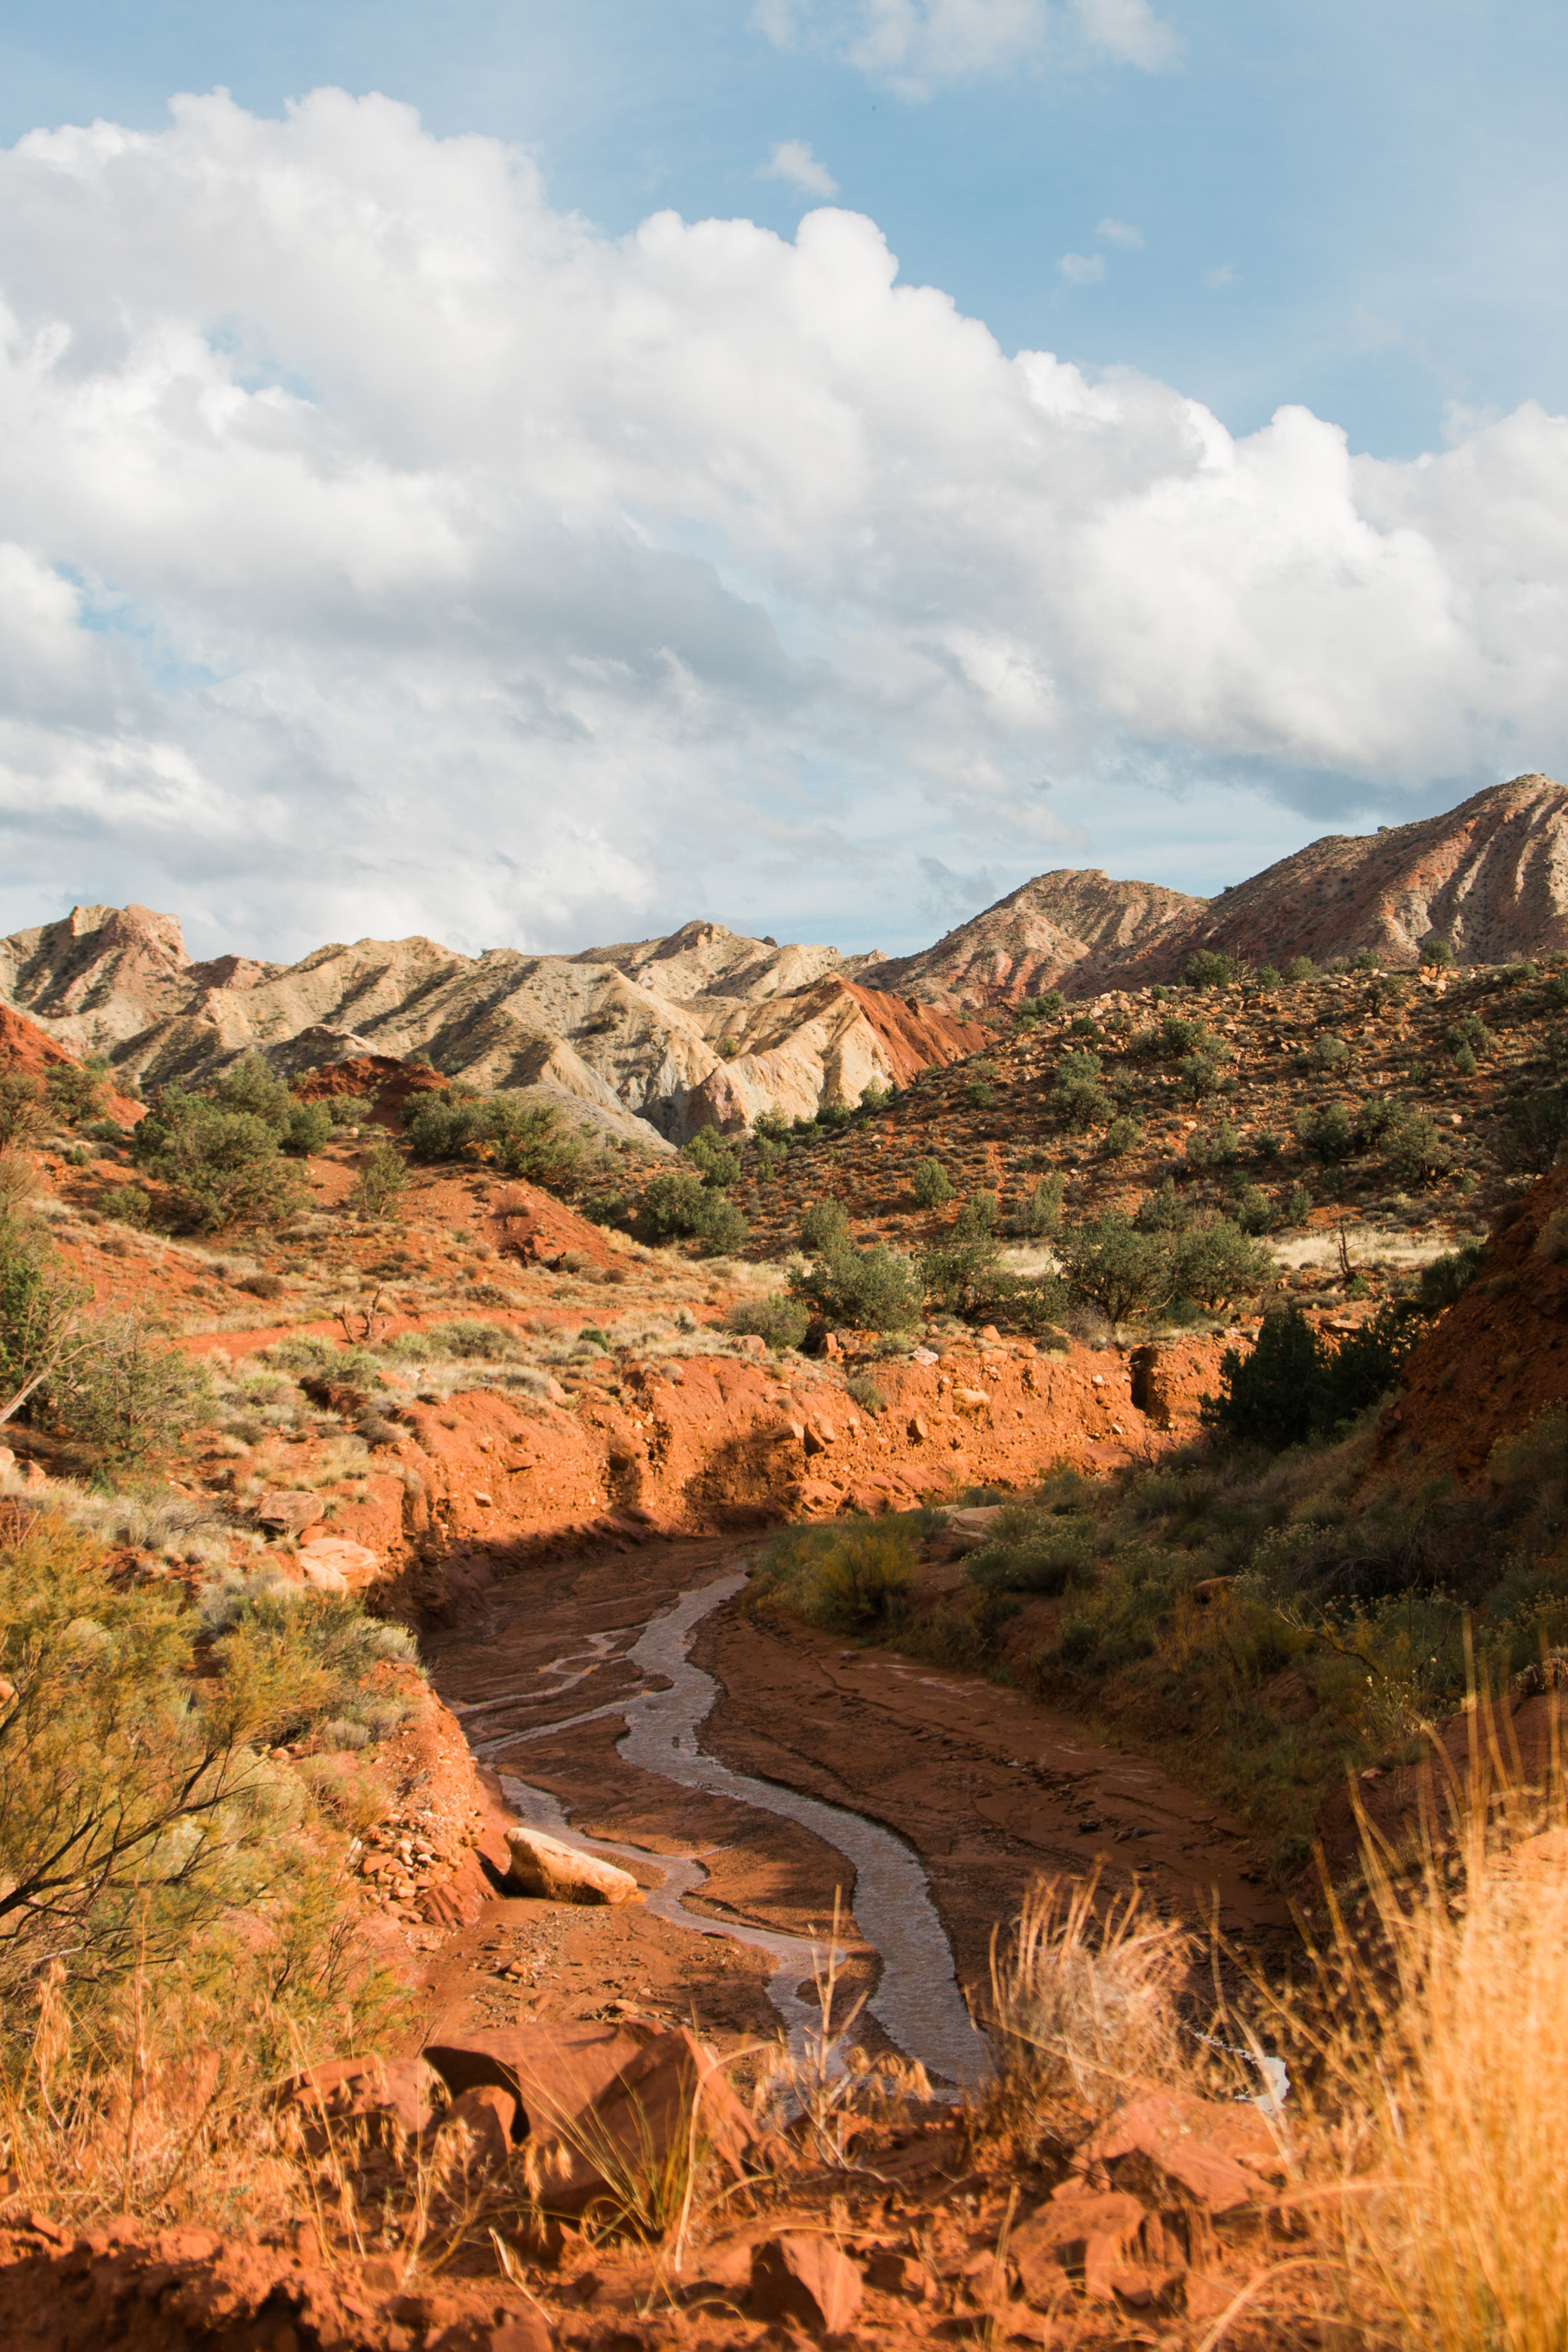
(1497, 1357)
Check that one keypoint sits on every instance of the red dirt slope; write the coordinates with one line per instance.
(1493, 1361)
(913, 1037)
(24, 1047)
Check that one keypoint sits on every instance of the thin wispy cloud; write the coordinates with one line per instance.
(792, 160)
(1117, 231)
(1082, 268)
(917, 47)
(1221, 274)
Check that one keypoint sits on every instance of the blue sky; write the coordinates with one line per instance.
(1211, 211)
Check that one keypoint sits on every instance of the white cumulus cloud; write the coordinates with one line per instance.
(382, 550)
(1115, 232)
(1130, 30)
(792, 160)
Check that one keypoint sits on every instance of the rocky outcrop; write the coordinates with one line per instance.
(1071, 930)
(1490, 877)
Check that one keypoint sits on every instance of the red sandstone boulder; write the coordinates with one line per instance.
(807, 2280)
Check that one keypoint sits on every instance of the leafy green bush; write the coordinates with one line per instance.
(222, 1167)
(850, 1578)
(932, 1185)
(1116, 1267)
(772, 1125)
(1044, 1007)
(347, 1111)
(1197, 1074)
(866, 1290)
(717, 1161)
(1220, 1147)
(1217, 1262)
(524, 1140)
(979, 1096)
(1034, 1549)
(783, 1322)
(1417, 1154)
(1327, 1132)
(1468, 1034)
(1076, 1097)
(825, 1224)
(1298, 969)
(382, 1178)
(1164, 1211)
(1039, 1215)
(130, 1393)
(1206, 969)
(1296, 1383)
(1436, 952)
(76, 1090)
(310, 1128)
(1122, 1135)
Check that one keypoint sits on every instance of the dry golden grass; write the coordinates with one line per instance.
(1083, 2003)
(1437, 2118)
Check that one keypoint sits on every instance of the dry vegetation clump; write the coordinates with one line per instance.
(1083, 2006)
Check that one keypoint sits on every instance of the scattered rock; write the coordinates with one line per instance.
(544, 1866)
(806, 2280)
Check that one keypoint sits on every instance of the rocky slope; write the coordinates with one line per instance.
(707, 1025)
(1489, 877)
(664, 1034)
(1070, 929)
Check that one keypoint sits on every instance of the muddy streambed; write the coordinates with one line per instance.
(747, 1773)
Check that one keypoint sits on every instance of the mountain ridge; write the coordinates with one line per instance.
(653, 1038)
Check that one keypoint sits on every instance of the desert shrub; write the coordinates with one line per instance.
(1044, 1007)
(783, 1322)
(382, 1178)
(474, 1342)
(1205, 968)
(1164, 1211)
(833, 1114)
(1217, 1262)
(1122, 1135)
(1436, 952)
(1328, 1053)
(851, 1576)
(1267, 1143)
(23, 1112)
(864, 1390)
(1032, 1548)
(772, 1125)
(1076, 1097)
(868, 1289)
(130, 1393)
(980, 1095)
(1295, 1382)
(824, 1224)
(1468, 1034)
(671, 1206)
(717, 1161)
(1450, 1276)
(347, 1111)
(1417, 1154)
(248, 1089)
(1039, 1215)
(76, 1090)
(1221, 1147)
(1528, 1135)
(222, 1167)
(525, 1140)
(1327, 1132)
(138, 1814)
(1251, 1208)
(1116, 1267)
(1197, 1074)
(932, 1185)
(310, 1128)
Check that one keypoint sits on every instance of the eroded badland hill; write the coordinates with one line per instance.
(678, 1624)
